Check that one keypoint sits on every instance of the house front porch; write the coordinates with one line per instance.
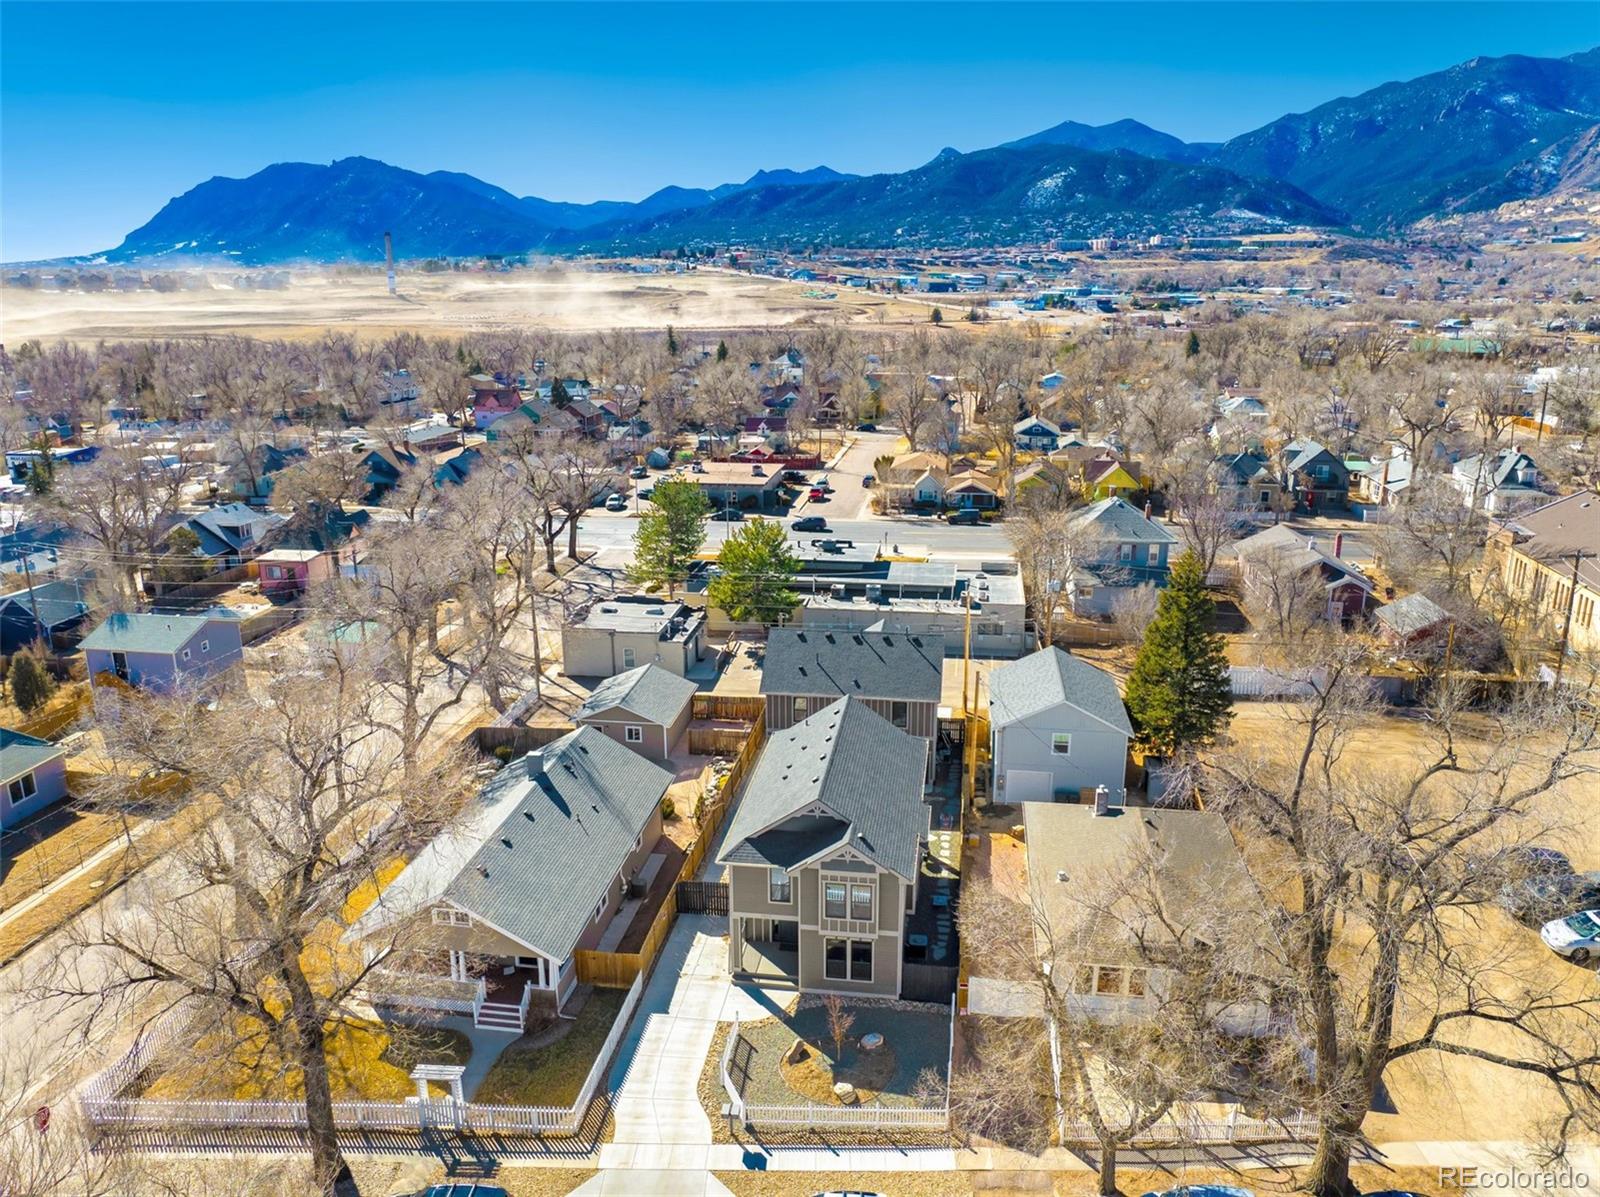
(765, 951)
(497, 992)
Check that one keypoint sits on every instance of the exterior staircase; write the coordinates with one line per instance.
(510, 1017)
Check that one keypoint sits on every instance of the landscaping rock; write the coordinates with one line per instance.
(797, 1052)
(871, 1041)
(845, 1092)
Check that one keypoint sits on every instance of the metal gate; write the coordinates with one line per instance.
(702, 897)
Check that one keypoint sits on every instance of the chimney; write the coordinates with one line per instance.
(1311, 543)
(1338, 544)
(1102, 800)
(1147, 509)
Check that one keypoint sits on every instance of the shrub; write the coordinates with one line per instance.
(31, 683)
(502, 753)
(669, 808)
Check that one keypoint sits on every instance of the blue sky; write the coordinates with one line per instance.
(592, 101)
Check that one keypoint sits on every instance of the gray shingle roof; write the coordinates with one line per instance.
(862, 770)
(145, 633)
(58, 602)
(1117, 520)
(1021, 689)
(892, 665)
(231, 527)
(538, 845)
(650, 692)
(1412, 614)
(21, 753)
(1299, 454)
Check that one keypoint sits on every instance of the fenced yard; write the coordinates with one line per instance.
(902, 1083)
(105, 1106)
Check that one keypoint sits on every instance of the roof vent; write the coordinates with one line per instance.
(528, 815)
(1061, 874)
(483, 871)
(506, 840)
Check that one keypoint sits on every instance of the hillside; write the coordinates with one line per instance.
(1437, 143)
(1127, 135)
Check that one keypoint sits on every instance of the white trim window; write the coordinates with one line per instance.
(1061, 743)
(861, 903)
(205, 646)
(900, 714)
(22, 788)
(835, 896)
(780, 887)
(627, 658)
(632, 733)
(443, 916)
(847, 960)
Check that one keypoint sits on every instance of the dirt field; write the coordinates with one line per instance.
(560, 300)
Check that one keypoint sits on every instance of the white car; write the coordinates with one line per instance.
(1577, 937)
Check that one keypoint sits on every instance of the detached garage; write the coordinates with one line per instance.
(1029, 785)
(1058, 729)
(645, 709)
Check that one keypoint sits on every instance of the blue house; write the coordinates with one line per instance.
(33, 775)
(233, 533)
(50, 611)
(157, 652)
(1130, 549)
(1037, 434)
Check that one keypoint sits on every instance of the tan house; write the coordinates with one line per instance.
(1549, 558)
(547, 861)
(624, 631)
(824, 855)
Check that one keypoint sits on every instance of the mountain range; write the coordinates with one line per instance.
(1466, 138)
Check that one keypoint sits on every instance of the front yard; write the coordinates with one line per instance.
(547, 1066)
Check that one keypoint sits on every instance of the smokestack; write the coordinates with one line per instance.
(1147, 509)
(1102, 800)
(1338, 544)
(388, 257)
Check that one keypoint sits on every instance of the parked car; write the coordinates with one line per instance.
(617, 503)
(464, 1188)
(811, 523)
(817, 494)
(967, 515)
(647, 492)
(731, 514)
(822, 483)
(1576, 937)
(1545, 887)
(794, 476)
(867, 480)
(638, 471)
(866, 428)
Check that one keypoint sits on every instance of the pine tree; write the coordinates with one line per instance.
(31, 683)
(669, 535)
(1192, 347)
(937, 317)
(757, 569)
(1178, 693)
(672, 341)
(558, 394)
(722, 351)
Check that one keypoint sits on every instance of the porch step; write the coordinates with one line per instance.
(496, 1016)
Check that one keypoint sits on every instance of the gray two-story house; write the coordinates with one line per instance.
(1058, 730)
(1124, 547)
(824, 854)
(899, 675)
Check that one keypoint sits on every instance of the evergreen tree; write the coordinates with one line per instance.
(558, 394)
(757, 569)
(672, 341)
(937, 317)
(1192, 348)
(31, 683)
(722, 351)
(1178, 693)
(669, 535)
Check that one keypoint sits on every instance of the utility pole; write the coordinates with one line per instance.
(1578, 558)
(33, 599)
(966, 654)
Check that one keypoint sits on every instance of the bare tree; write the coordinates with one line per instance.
(1385, 866)
(240, 930)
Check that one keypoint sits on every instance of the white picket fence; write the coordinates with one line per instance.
(104, 1106)
(1175, 1131)
(813, 1116)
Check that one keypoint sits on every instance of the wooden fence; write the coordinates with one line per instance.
(1175, 1131)
(53, 722)
(744, 707)
(104, 1106)
(716, 741)
(616, 969)
(519, 739)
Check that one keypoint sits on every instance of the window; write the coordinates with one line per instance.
(1136, 978)
(861, 903)
(627, 658)
(205, 647)
(599, 909)
(1061, 743)
(799, 709)
(900, 714)
(1125, 552)
(22, 788)
(779, 888)
(446, 917)
(1108, 981)
(1083, 979)
(835, 960)
(1320, 471)
(633, 734)
(833, 900)
(861, 960)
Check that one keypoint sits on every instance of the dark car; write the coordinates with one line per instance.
(731, 514)
(638, 471)
(866, 428)
(810, 523)
(968, 515)
(1544, 886)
